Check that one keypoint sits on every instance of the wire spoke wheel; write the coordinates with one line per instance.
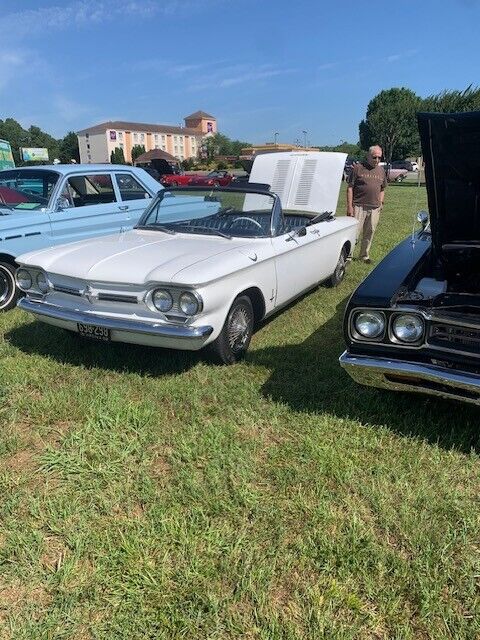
(234, 339)
(239, 329)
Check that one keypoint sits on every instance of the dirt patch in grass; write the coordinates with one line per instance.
(15, 596)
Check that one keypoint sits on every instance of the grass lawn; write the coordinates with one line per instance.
(148, 494)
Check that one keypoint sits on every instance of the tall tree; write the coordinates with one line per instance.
(69, 148)
(137, 151)
(390, 122)
(117, 157)
(453, 101)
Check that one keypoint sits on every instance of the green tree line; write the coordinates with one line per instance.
(391, 120)
(65, 149)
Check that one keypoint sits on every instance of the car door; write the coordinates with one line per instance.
(134, 196)
(87, 206)
(297, 260)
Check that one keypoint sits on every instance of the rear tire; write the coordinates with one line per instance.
(339, 274)
(234, 339)
(9, 292)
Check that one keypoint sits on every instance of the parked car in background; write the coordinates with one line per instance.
(347, 170)
(53, 204)
(176, 179)
(203, 266)
(396, 175)
(414, 323)
(214, 178)
(404, 164)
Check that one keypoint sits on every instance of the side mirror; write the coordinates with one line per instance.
(62, 204)
(422, 217)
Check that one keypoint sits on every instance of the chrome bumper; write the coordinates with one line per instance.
(45, 310)
(399, 375)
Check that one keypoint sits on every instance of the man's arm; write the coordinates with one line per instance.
(350, 201)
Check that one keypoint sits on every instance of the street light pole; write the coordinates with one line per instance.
(304, 139)
(275, 135)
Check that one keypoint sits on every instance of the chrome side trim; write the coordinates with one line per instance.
(158, 329)
(401, 375)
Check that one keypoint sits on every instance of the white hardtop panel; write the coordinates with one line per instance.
(303, 180)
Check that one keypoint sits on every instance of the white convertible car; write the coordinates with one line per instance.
(203, 265)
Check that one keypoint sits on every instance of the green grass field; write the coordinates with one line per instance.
(148, 494)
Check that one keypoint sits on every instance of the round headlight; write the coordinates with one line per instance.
(369, 324)
(408, 327)
(189, 303)
(162, 300)
(24, 279)
(42, 283)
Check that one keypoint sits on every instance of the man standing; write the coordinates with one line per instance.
(365, 194)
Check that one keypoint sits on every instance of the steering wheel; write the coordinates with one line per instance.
(255, 222)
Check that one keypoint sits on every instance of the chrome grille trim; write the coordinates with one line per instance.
(72, 291)
(114, 297)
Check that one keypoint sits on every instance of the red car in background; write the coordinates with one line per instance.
(212, 179)
(176, 179)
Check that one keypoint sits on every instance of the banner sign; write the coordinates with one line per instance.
(34, 153)
(6, 157)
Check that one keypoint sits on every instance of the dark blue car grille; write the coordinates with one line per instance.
(455, 337)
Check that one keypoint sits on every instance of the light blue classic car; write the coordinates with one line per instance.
(56, 204)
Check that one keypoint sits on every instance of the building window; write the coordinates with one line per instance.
(163, 139)
(88, 145)
(142, 137)
(135, 137)
(156, 137)
(121, 145)
(120, 135)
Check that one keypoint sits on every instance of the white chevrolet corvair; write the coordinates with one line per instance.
(203, 265)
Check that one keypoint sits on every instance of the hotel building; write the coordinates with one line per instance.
(97, 143)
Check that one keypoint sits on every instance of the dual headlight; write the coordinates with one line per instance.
(32, 279)
(185, 302)
(405, 328)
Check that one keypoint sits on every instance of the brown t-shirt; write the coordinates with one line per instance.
(367, 183)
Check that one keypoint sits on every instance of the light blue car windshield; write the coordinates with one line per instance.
(214, 212)
(26, 190)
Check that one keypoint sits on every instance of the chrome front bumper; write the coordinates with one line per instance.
(122, 330)
(399, 375)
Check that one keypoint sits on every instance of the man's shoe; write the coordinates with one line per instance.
(366, 260)
(349, 258)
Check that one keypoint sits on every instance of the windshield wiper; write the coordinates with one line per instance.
(208, 229)
(156, 227)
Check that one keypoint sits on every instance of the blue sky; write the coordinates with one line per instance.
(259, 66)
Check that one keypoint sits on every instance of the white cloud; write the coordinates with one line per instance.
(82, 13)
(238, 74)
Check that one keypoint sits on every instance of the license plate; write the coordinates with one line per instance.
(94, 332)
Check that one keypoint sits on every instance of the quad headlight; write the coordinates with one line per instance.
(189, 303)
(42, 282)
(408, 327)
(162, 300)
(369, 325)
(24, 279)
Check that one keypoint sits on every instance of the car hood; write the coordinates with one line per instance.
(450, 147)
(141, 256)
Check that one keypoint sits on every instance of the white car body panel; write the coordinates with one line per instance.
(107, 281)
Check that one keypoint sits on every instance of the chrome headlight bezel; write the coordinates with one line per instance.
(357, 335)
(195, 298)
(23, 274)
(44, 287)
(175, 311)
(412, 317)
(168, 299)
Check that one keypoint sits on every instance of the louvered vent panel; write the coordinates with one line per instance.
(279, 182)
(305, 182)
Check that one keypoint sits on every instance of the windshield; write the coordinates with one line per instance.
(26, 189)
(222, 212)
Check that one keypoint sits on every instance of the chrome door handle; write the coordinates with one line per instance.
(123, 207)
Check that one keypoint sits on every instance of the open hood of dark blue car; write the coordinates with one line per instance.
(451, 152)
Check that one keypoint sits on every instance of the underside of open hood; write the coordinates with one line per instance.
(451, 152)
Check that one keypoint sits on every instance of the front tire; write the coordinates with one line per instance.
(234, 339)
(9, 292)
(339, 274)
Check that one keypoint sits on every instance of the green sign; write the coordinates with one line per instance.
(6, 157)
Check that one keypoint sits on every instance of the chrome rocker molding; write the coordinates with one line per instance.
(159, 330)
(398, 375)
